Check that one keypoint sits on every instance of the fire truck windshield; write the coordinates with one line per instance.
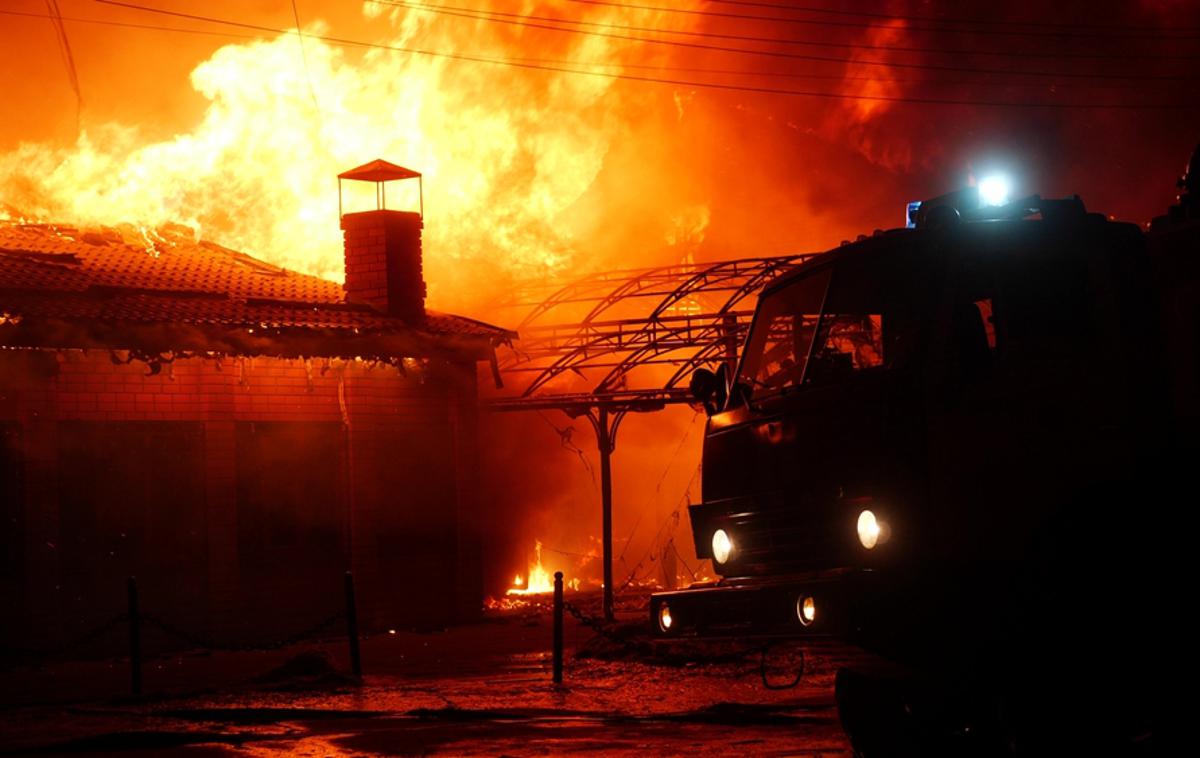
(782, 335)
(833, 323)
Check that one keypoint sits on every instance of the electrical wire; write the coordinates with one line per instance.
(792, 8)
(146, 27)
(694, 70)
(443, 10)
(607, 64)
(677, 82)
(60, 30)
(304, 58)
(486, 12)
(823, 43)
(565, 435)
(863, 25)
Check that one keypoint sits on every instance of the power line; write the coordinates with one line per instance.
(484, 13)
(774, 74)
(638, 66)
(839, 77)
(475, 15)
(304, 58)
(128, 25)
(790, 7)
(60, 31)
(674, 82)
(864, 25)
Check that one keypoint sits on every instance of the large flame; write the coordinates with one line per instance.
(505, 151)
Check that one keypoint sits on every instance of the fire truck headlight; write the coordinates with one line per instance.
(806, 609)
(722, 546)
(994, 189)
(664, 617)
(871, 531)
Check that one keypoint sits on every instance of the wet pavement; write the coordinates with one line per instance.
(482, 689)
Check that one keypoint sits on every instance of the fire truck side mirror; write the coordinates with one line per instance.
(709, 388)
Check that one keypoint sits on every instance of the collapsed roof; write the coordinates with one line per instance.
(161, 291)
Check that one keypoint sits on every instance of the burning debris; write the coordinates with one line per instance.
(540, 580)
(534, 586)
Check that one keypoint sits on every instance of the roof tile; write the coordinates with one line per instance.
(124, 275)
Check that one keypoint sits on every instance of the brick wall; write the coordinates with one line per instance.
(406, 453)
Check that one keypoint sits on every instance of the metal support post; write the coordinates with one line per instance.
(558, 627)
(606, 448)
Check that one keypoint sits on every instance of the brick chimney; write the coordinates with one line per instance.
(383, 248)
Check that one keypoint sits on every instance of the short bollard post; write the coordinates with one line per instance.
(352, 626)
(558, 627)
(135, 637)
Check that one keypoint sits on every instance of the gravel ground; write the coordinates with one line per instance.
(480, 689)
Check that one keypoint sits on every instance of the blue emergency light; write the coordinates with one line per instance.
(910, 214)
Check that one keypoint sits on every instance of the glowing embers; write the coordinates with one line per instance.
(664, 618)
(872, 531)
(806, 610)
(722, 546)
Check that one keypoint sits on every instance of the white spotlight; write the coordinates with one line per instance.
(994, 189)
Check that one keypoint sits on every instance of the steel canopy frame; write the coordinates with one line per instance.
(711, 330)
(650, 338)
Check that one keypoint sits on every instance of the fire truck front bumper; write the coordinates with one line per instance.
(818, 605)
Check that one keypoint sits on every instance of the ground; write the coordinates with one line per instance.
(477, 689)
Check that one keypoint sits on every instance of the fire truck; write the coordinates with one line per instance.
(963, 447)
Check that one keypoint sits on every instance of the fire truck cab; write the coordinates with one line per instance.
(954, 446)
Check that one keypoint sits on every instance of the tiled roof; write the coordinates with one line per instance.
(122, 275)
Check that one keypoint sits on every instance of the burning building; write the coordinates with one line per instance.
(233, 433)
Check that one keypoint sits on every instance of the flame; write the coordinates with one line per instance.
(507, 153)
(540, 580)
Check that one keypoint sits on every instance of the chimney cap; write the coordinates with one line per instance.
(379, 170)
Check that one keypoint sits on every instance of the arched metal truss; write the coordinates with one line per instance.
(681, 316)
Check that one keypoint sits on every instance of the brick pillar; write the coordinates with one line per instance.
(383, 262)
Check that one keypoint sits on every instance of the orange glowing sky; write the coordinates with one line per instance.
(535, 173)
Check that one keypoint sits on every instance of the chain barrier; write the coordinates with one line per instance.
(74, 644)
(598, 626)
(196, 640)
